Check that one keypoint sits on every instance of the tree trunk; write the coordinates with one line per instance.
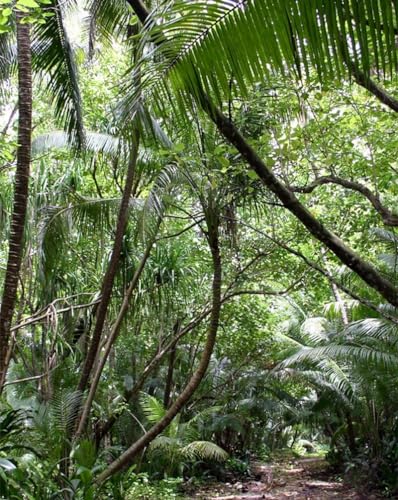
(21, 191)
(127, 457)
(170, 370)
(107, 284)
(112, 338)
(364, 269)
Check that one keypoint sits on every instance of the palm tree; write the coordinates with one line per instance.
(40, 54)
(210, 204)
(188, 38)
(21, 191)
(331, 37)
(355, 365)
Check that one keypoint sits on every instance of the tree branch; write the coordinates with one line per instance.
(389, 218)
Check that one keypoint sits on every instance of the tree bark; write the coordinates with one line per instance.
(107, 284)
(126, 458)
(170, 370)
(21, 191)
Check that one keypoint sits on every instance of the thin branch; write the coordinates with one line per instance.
(174, 235)
(389, 218)
(326, 274)
(29, 379)
(45, 315)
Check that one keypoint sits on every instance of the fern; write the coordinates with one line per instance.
(152, 408)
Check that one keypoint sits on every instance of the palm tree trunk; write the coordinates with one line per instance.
(126, 458)
(21, 191)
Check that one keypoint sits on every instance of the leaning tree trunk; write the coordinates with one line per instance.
(21, 191)
(115, 330)
(128, 456)
(364, 269)
(107, 284)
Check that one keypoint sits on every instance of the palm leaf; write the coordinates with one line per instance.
(95, 142)
(204, 450)
(111, 17)
(65, 408)
(152, 408)
(164, 445)
(374, 328)
(58, 227)
(53, 59)
(315, 330)
(356, 353)
(7, 59)
(250, 39)
(158, 199)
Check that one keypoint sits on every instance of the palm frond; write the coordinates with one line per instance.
(336, 351)
(53, 59)
(204, 450)
(152, 127)
(111, 17)
(164, 445)
(152, 408)
(315, 378)
(7, 59)
(58, 227)
(333, 310)
(337, 376)
(375, 328)
(251, 39)
(12, 422)
(65, 407)
(158, 199)
(315, 330)
(389, 238)
(95, 142)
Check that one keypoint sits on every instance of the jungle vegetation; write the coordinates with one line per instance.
(198, 254)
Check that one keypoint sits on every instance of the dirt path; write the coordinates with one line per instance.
(302, 479)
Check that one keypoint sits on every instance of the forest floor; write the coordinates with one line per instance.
(300, 479)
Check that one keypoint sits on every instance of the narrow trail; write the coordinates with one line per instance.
(301, 479)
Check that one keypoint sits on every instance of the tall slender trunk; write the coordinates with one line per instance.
(21, 191)
(107, 284)
(112, 339)
(170, 370)
(127, 457)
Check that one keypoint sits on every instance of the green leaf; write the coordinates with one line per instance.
(28, 3)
